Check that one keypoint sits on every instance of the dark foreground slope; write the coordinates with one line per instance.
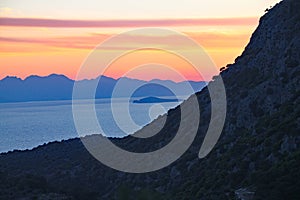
(257, 155)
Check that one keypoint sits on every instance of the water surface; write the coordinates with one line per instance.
(29, 124)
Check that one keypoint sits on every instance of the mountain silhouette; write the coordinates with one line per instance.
(60, 87)
(257, 156)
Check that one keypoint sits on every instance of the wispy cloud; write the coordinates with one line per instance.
(208, 39)
(57, 23)
(72, 42)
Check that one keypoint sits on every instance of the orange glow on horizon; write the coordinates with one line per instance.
(154, 64)
(44, 51)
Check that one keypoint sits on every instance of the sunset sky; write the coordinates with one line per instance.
(44, 37)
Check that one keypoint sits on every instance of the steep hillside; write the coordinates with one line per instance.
(257, 156)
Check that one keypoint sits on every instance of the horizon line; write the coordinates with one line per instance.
(89, 79)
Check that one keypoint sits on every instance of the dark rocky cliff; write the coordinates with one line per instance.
(257, 156)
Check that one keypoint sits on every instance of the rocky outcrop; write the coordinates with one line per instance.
(244, 194)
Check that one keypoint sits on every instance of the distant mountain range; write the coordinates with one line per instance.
(60, 87)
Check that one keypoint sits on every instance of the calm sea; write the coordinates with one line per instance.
(29, 124)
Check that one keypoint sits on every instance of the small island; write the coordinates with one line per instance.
(154, 100)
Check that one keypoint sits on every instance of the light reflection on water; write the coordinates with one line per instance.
(29, 124)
